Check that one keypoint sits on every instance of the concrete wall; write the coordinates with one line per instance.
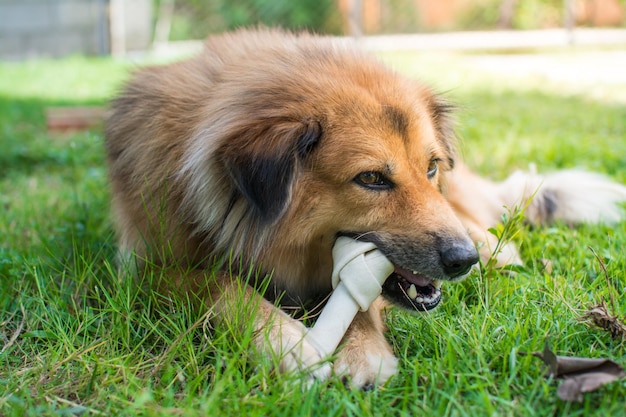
(54, 28)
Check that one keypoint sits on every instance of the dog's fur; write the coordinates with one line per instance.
(267, 146)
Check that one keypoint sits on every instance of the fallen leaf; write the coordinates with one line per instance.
(599, 315)
(580, 375)
(573, 388)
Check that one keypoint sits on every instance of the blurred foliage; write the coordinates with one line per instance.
(526, 14)
(194, 19)
(537, 14)
(481, 15)
(397, 16)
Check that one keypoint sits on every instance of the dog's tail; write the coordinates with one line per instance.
(569, 196)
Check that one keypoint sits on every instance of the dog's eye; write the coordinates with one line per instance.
(432, 168)
(374, 180)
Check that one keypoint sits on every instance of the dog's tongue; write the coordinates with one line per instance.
(419, 280)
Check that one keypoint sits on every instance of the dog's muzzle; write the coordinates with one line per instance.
(414, 290)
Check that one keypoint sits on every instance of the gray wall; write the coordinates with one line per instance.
(54, 28)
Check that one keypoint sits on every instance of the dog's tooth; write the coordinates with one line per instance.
(412, 292)
(419, 299)
(437, 284)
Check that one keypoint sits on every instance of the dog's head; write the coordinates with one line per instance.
(364, 156)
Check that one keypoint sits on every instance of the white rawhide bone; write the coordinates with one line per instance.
(359, 271)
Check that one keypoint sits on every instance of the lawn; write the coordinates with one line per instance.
(76, 340)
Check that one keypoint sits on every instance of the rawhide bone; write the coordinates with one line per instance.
(359, 271)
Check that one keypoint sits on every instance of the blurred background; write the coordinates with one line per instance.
(55, 28)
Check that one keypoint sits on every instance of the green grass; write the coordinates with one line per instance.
(75, 340)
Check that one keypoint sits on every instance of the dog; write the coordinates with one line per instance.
(265, 147)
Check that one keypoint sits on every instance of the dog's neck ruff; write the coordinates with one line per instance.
(359, 271)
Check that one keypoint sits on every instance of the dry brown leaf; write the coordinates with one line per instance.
(580, 374)
(573, 388)
(599, 315)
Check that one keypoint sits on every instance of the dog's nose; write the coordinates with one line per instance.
(458, 259)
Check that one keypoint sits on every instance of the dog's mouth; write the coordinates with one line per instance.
(412, 290)
(406, 288)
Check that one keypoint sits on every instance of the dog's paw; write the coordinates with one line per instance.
(366, 366)
(294, 353)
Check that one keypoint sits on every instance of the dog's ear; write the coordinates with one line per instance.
(263, 160)
(442, 114)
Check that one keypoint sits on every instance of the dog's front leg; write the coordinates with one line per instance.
(366, 359)
(276, 336)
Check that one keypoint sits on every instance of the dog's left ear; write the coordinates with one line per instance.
(263, 161)
(442, 114)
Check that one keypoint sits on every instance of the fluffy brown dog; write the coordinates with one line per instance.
(265, 148)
